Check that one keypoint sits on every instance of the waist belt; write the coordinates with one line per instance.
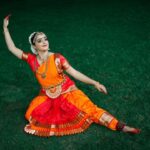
(54, 91)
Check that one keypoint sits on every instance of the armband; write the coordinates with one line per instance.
(24, 56)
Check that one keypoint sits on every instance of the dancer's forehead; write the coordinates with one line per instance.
(40, 36)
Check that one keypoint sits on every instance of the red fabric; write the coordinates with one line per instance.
(32, 61)
(55, 111)
(62, 59)
(67, 83)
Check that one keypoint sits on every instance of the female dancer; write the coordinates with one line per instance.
(60, 108)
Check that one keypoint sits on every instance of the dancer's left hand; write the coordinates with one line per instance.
(6, 21)
(100, 87)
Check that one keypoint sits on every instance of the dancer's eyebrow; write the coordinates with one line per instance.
(41, 38)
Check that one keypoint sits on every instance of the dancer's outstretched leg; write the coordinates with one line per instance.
(111, 122)
(97, 114)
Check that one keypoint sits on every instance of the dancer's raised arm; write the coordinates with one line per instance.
(9, 42)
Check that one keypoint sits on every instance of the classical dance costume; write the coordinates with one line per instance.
(61, 108)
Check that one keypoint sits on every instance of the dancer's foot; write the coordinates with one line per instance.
(131, 130)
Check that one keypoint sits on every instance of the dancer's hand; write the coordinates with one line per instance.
(6, 21)
(100, 87)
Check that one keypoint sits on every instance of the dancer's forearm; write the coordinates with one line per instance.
(83, 78)
(9, 42)
(80, 76)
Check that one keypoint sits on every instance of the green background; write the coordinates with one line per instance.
(106, 40)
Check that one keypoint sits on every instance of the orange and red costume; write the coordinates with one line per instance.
(60, 108)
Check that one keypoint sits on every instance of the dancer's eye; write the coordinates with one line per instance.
(39, 41)
(42, 39)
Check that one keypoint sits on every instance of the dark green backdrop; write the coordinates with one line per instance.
(107, 40)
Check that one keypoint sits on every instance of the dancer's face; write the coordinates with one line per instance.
(41, 43)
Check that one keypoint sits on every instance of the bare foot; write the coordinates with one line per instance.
(132, 130)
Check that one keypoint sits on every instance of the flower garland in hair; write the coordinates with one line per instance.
(30, 37)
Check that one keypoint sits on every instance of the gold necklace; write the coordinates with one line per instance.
(42, 59)
(43, 75)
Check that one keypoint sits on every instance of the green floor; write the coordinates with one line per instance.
(108, 41)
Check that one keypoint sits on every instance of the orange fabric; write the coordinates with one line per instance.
(112, 125)
(76, 97)
(76, 126)
(82, 102)
(35, 102)
(52, 76)
(60, 130)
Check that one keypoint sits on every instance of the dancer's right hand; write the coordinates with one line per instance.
(6, 21)
(100, 87)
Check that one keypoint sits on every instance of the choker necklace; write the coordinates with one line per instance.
(43, 59)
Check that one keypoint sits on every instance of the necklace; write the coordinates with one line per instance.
(42, 60)
(43, 74)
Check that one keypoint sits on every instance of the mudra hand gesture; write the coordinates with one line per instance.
(6, 21)
(100, 87)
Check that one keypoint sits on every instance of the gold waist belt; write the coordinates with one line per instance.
(54, 85)
(53, 91)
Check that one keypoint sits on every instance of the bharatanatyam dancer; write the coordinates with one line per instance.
(60, 108)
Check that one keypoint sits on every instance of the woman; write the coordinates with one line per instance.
(60, 108)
